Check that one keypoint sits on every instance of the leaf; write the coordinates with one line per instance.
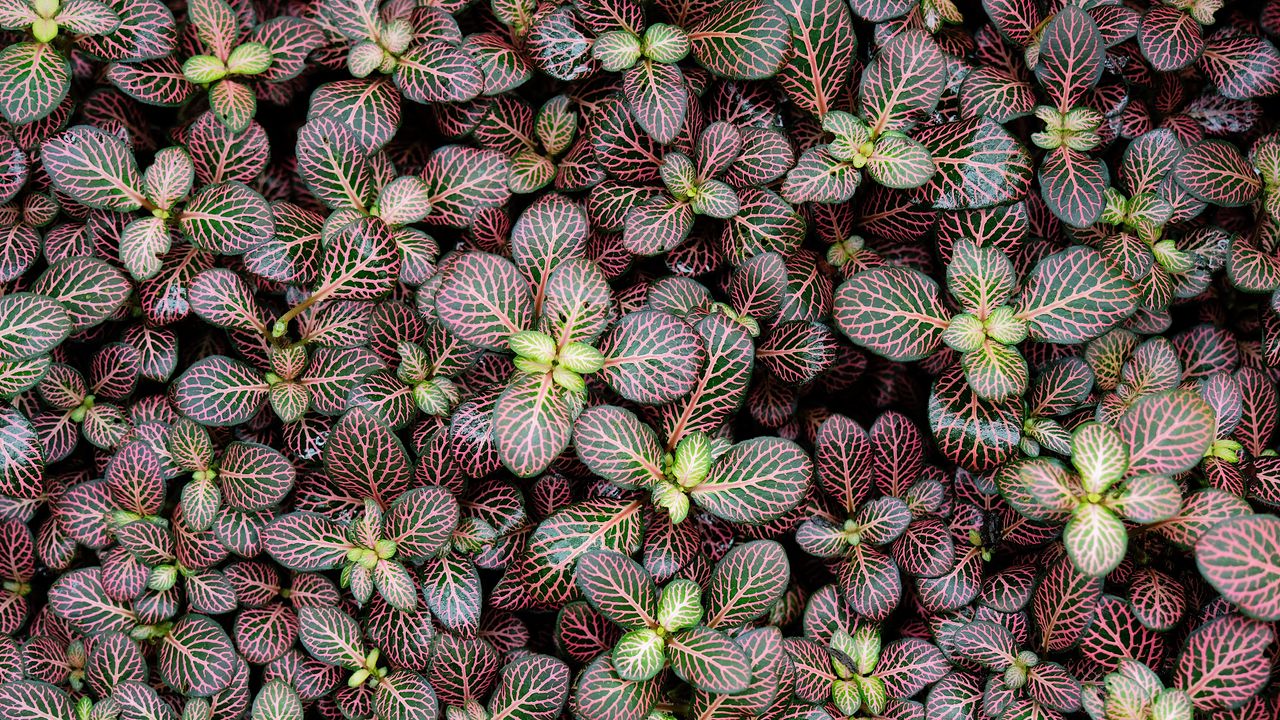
(870, 582)
(364, 457)
(1219, 665)
(1237, 557)
(614, 444)
(78, 596)
(421, 521)
(601, 695)
(331, 637)
(755, 481)
(1073, 184)
(533, 687)
(89, 289)
(34, 700)
(1242, 66)
(561, 539)
(657, 98)
(744, 40)
(902, 82)
(464, 181)
(1170, 38)
(900, 162)
(975, 433)
(979, 165)
(1071, 58)
(197, 658)
(709, 660)
(370, 108)
(1167, 433)
(437, 72)
(652, 357)
(819, 177)
(1215, 172)
(219, 392)
(1095, 540)
(228, 218)
(95, 168)
(34, 80)
(532, 423)
(31, 325)
(746, 583)
(893, 312)
(1073, 296)
(618, 587)
(360, 262)
(333, 165)
(306, 542)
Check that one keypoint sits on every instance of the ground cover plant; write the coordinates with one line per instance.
(639, 359)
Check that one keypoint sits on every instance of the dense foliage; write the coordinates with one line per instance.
(639, 359)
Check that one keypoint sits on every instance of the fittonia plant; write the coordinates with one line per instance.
(899, 86)
(235, 55)
(1067, 298)
(1124, 471)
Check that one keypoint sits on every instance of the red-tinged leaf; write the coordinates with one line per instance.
(742, 40)
(333, 165)
(364, 457)
(533, 687)
(532, 423)
(870, 582)
(306, 542)
(975, 433)
(990, 645)
(221, 156)
(331, 637)
(290, 41)
(1166, 433)
(561, 539)
(1170, 38)
(746, 584)
(652, 357)
(978, 165)
(615, 445)
(1065, 605)
(197, 658)
(1219, 665)
(1237, 558)
(361, 262)
(32, 325)
(89, 289)
(909, 665)
(601, 695)
(709, 660)
(34, 79)
(254, 477)
(464, 181)
(893, 312)
(881, 10)
(80, 598)
(95, 168)
(215, 24)
(618, 587)
(994, 93)
(1074, 296)
(1242, 66)
(370, 108)
(34, 700)
(434, 71)
(154, 82)
(721, 385)
(228, 219)
(1214, 171)
(755, 481)
(405, 695)
(234, 103)
(221, 298)
(657, 225)
(657, 98)
(484, 300)
(219, 392)
(1071, 58)
(1073, 184)
(902, 82)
